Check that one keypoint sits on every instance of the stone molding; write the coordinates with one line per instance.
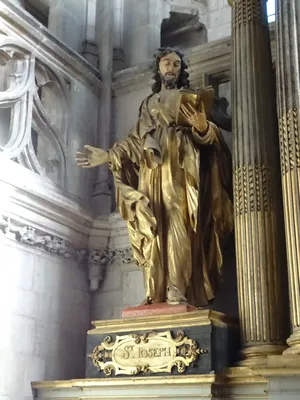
(37, 202)
(41, 239)
(34, 212)
(100, 259)
(275, 382)
(15, 229)
(96, 260)
(16, 22)
(107, 256)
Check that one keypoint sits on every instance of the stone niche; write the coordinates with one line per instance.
(182, 30)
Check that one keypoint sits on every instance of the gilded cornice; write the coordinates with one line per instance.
(162, 381)
(192, 318)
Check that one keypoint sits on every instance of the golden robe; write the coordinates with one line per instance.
(173, 187)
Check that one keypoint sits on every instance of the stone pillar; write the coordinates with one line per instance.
(101, 201)
(119, 55)
(90, 50)
(288, 95)
(67, 21)
(142, 21)
(257, 194)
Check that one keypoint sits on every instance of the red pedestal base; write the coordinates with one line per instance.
(156, 309)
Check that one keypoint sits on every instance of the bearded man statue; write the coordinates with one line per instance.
(173, 188)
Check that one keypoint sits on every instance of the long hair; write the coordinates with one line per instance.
(183, 76)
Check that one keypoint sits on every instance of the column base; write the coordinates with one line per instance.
(294, 344)
(257, 356)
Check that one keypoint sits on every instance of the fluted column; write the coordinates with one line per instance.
(288, 96)
(257, 195)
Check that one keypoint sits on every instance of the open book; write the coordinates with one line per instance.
(186, 96)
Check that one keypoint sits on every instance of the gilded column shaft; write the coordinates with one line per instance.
(257, 194)
(288, 95)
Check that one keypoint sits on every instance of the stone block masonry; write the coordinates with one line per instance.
(44, 303)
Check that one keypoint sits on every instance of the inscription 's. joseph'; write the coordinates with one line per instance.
(131, 352)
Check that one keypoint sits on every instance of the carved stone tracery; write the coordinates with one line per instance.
(18, 94)
(27, 79)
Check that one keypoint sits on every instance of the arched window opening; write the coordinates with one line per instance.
(271, 10)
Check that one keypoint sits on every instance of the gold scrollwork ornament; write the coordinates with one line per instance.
(148, 353)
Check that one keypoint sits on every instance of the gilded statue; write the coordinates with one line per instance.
(173, 187)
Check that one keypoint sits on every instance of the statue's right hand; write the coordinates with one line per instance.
(91, 157)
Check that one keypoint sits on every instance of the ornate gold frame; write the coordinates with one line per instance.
(150, 352)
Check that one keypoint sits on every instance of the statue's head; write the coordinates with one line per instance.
(169, 69)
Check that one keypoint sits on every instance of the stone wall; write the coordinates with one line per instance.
(44, 303)
(45, 217)
(44, 291)
(138, 26)
(219, 17)
(67, 21)
(121, 287)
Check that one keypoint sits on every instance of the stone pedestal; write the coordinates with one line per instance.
(180, 388)
(189, 343)
(283, 374)
(156, 309)
(236, 384)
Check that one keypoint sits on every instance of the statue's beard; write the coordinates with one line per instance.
(169, 82)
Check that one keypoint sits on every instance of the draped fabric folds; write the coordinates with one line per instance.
(173, 187)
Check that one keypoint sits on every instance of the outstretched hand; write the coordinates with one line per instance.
(196, 118)
(91, 157)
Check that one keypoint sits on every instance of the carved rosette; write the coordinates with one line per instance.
(257, 195)
(288, 102)
(150, 352)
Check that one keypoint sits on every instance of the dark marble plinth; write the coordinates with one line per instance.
(215, 339)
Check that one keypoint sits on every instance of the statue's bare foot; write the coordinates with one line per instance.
(175, 297)
(146, 301)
